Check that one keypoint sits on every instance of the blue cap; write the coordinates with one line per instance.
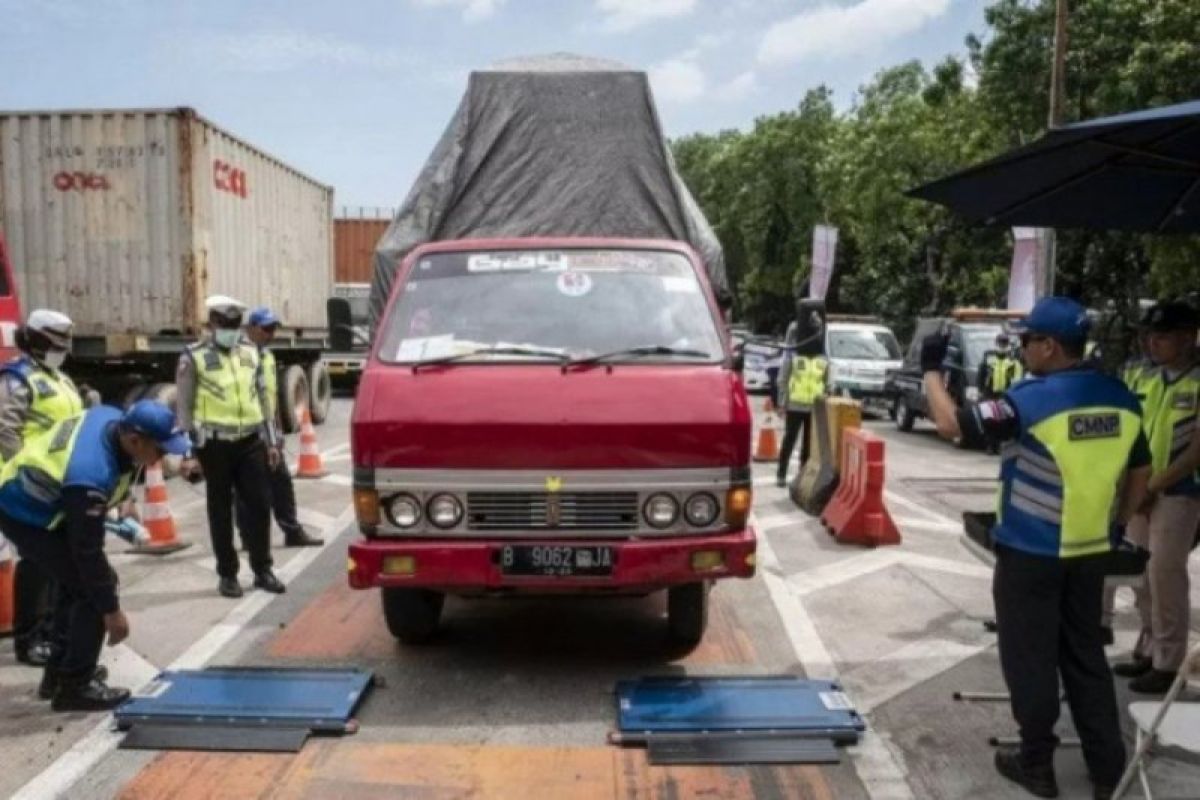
(1057, 317)
(262, 317)
(153, 419)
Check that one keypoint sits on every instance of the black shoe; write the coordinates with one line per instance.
(49, 684)
(1039, 781)
(781, 481)
(35, 653)
(269, 583)
(93, 695)
(1156, 681)
(301, 538)
(229, 587)
(1106, 635)
(1136, 668)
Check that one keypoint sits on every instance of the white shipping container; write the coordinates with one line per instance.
(127, 219)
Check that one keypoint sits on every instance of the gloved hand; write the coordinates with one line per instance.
(933, 352)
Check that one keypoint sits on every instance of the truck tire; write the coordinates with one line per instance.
(412, 615)
(903, 415)
(293, 394)
(687, 613)
(320, 388)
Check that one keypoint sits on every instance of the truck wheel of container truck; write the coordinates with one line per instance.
(293, 393)
(687, 612)
(412, 615)
(320, 387)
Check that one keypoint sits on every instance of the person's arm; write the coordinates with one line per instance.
(15, 399)
(185, 385)
(785, 375)
(270, 431)
(990, 421)
(1186, 464)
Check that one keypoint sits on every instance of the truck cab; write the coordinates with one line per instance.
(550, 416)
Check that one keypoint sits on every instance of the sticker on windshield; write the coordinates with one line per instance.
(513, 262)
(425, 347)
(574, 284)
(682, 285)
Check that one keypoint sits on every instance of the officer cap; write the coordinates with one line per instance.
(224, 308)
(55, 326)
(263, 317)
(1171, 316)
(1059, 318)
(156, 421)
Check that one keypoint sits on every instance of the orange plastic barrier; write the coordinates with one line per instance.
(7, 570)
(857, 514)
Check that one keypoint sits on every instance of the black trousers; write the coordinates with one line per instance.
(795, 424)
(239, 466)
(1048, 621)
(33, 603)
(283, 502)
(77, 626)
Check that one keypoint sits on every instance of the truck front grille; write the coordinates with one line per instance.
(580, 511)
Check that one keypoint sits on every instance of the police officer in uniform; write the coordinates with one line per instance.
(35, 394)
(802, 378)
(1169, 389)
(54, 496)
(260, 330)
(1074, 460)
(223, 402)
(1001, 368)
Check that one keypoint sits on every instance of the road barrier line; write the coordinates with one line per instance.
(57, 780)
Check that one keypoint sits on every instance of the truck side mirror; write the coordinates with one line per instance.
(341, 328)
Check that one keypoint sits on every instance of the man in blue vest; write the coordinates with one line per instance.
(54, 496)
(1074, 468)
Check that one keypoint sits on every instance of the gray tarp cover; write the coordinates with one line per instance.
(553, 146)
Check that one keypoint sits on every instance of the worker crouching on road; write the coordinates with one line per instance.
(54, 496)
(35, 394)
(1169, 389)
(260, 330)
(223, 403)
(1074, 460)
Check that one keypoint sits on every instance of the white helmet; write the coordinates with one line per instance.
(224, 308)
(54, 327)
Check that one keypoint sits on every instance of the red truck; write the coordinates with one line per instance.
(10, 307)
(550, 416)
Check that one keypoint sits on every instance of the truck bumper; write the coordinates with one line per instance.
(470, 567)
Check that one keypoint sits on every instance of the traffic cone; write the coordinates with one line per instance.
(156, 517)
(7, 568)
(769, 405)
(310, 464)
(768, 441)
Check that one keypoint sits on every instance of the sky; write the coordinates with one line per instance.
(356, 92)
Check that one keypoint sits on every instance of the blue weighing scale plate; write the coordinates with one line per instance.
(715, 705)
(317, 699)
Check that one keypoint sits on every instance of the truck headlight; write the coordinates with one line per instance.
(661, 511)
(404, 511)
(445, 511)
(701, 510)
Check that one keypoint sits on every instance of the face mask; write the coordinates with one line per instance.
(55, 358)
(226, 338)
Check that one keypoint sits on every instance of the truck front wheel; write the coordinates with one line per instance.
(321, 389)
(687, 613)
(903, 415)
(412, 615)
(293, 394)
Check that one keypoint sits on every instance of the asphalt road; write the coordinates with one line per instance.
(515, 697)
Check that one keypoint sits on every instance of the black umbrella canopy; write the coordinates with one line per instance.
(1134, 172)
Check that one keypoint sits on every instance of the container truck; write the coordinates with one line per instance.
(126, 220)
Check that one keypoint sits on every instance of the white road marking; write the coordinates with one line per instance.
(889, 676)
(337, 479)
(927, 524)
(879, 767)
(892, 497)
(336, 451)
(849, 568)
(57, 779)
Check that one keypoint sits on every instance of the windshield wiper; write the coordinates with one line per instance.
(637, 352)
(490, 351)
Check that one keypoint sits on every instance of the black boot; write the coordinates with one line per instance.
(1155, 681)
(267, 581)
(87, 695)
(1039, 781)
(1135, 668)
(299, 537)
(49, 684)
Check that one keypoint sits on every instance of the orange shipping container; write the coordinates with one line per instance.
(354, 248)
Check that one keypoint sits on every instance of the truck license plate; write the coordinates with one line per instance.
(556, 560)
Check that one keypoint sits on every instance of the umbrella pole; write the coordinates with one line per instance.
(1057, 91)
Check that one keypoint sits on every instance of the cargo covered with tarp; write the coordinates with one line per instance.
(551, 146)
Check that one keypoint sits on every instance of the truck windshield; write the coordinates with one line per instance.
(863, 345)
(977, 340)
(577, 303)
